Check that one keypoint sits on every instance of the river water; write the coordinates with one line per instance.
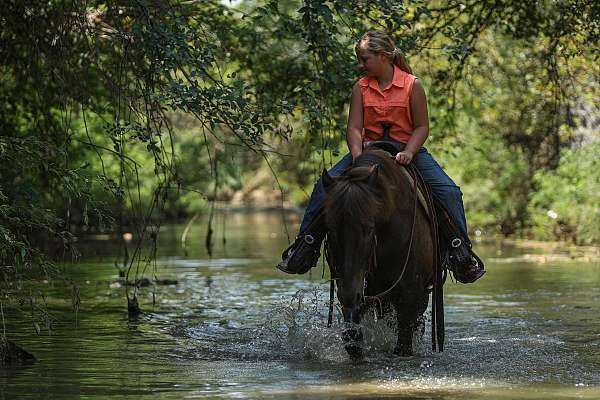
(235, 327)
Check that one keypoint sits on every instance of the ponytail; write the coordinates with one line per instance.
(399, 60)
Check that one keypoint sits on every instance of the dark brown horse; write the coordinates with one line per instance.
(380, 245)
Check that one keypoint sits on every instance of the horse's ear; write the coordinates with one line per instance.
(327, 180)
(373, 175)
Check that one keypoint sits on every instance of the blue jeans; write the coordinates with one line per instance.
(441, 185)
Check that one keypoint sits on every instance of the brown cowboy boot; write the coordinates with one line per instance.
(465, 265)
(303, 254)
(456, 252)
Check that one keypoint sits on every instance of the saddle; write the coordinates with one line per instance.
(454, 251)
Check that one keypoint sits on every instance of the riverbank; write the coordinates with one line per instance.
(549, 251)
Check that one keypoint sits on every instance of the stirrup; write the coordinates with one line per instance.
(300, 256)
(465, 265)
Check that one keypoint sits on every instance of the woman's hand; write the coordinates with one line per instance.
(404, 157)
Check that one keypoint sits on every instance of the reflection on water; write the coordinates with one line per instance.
(234, 327)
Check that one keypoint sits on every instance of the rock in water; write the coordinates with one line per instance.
(12, 354)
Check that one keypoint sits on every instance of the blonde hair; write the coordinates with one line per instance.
(379, 42)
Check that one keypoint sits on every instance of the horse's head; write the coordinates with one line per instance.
(355, 203)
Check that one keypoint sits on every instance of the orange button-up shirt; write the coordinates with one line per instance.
(390, 105)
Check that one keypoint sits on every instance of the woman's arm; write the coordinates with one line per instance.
(418, 105)
(355, 122)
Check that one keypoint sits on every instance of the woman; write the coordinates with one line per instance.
(388, 98)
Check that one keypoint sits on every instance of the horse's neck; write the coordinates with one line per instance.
(400, 191)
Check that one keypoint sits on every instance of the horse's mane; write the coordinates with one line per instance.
(369, 187)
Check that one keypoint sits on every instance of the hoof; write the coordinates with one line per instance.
(403, 352)
(353, 338)
(355, 352)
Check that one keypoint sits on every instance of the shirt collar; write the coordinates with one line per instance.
(397, 80)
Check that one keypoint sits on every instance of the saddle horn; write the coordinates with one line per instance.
(386, 130)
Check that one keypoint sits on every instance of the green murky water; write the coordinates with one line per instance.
(234, 327)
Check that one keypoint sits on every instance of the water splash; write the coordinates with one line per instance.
(296, 328)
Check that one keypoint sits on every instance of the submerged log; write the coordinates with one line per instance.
(133, 307)
(145, 282)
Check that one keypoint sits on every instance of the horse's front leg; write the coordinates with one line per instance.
(405, 329)
(352, 335)
(407, 314)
